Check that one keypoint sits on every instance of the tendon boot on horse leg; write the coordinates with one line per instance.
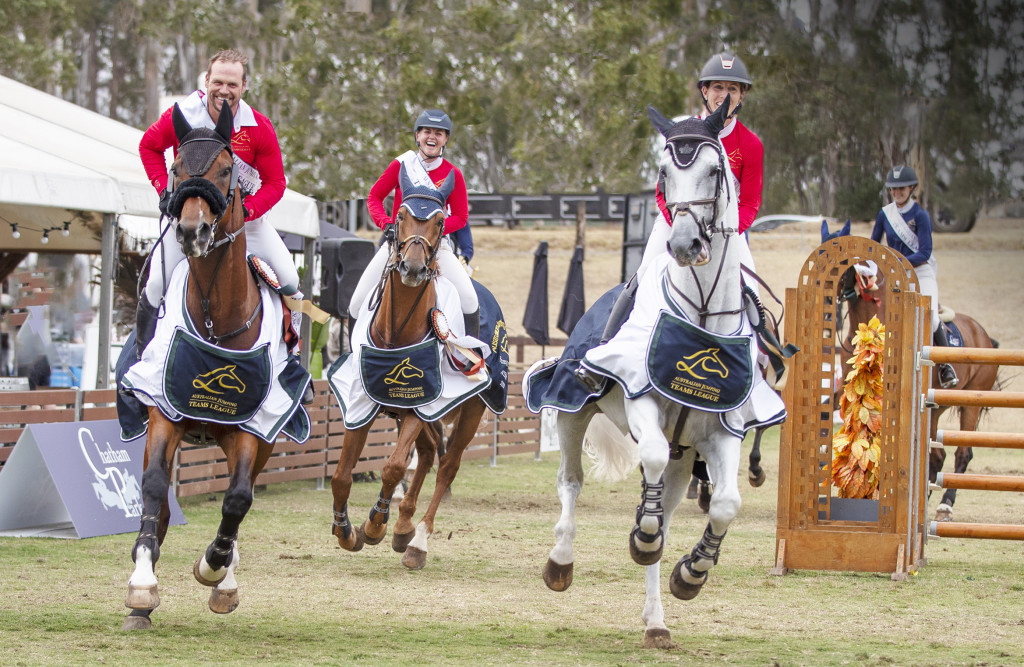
(947, 376)
(646, 542)
(700, 487)
(145, 324)
(621, 309)
(691, 572)
(216, 568)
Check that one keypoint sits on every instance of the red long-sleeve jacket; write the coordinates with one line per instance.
(458, 201)
(256, 144)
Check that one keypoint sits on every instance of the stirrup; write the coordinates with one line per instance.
(593, 382)
(947, 377)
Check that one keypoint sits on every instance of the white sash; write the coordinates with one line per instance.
(900, 226)
(414, 168)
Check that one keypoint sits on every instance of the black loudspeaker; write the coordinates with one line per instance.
(342, 261)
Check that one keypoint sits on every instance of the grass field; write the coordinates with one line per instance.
(481, 599)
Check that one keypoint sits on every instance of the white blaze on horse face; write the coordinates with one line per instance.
(686, 243)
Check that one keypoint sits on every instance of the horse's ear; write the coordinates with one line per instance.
(715, 122)
(448, 185)
(845, 231)
(660, 122)
(225, 123)
(181, 126)
(824, 231)
(404, 182)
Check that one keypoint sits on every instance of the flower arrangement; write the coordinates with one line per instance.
(856, 447)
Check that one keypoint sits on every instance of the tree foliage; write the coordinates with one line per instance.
(552, 95)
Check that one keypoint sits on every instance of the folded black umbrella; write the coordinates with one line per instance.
(572, 301)
(535, 319)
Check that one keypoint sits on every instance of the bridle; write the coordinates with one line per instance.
(398, 256)
(851, 290)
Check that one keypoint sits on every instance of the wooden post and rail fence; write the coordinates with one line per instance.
(202, 469)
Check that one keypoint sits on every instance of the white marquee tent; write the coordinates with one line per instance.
(63, 167)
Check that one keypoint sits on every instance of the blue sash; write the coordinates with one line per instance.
(211, 384)
(697, 368)
(407, 377)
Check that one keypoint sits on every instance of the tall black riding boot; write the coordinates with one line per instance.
(947, 376)
(145, 324)
(472, 321)
(621, 309)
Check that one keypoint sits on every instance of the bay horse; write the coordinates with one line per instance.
(864, 298)
(701, 272)
(407, 297)
(223, 294)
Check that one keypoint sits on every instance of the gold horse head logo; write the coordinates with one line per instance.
(705, 361)
(222, 378)
(402, 372)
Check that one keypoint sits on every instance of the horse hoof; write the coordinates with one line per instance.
(758, 479)
(400, 541)
(704, 498)
(944, 512)
(557, 577)
(137, 622)
(366, 532)
(641, 557)
(681, 588)
(223, 602)
(197, 573)
(142, 597)
(414, 559)
(658, 638)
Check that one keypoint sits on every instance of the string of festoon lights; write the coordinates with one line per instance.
(16, 229)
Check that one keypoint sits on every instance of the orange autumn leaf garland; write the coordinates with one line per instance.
(856, 447)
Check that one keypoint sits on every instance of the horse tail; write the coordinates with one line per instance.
(613, 455)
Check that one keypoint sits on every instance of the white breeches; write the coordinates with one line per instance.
(261, 239)
(928, 277)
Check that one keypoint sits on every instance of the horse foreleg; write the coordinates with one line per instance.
(161, 443)
(341, 486)
(427, 445)
(646, 540)
(571, 428)
(721, 451)
(466, 424)
(656, 633)
(375, 527)
(245, 457)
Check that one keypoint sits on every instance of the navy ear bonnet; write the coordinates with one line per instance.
(423, 201)
(198, 157)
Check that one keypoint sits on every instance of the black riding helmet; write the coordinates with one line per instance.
(724, 67)
(900, 177)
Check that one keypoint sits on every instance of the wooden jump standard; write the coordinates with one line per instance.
(814, 530)
(953, 397)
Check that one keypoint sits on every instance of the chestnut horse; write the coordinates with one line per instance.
(406, 298)
(864, 298)
(223, 294)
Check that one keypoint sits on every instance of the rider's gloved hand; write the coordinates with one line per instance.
(389, 232)
(165, 197)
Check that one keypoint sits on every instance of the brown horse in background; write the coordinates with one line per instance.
(407, 296)
(864, 298)
(222, 293)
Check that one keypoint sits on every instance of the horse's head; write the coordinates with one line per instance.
(202, 183)
(694, 178)
(420, 225)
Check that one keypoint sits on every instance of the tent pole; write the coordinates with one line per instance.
(309, 252)
(107, 271)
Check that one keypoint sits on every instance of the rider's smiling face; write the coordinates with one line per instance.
(225, 81)
(901, 195)
(716, 91)
(431, 141)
